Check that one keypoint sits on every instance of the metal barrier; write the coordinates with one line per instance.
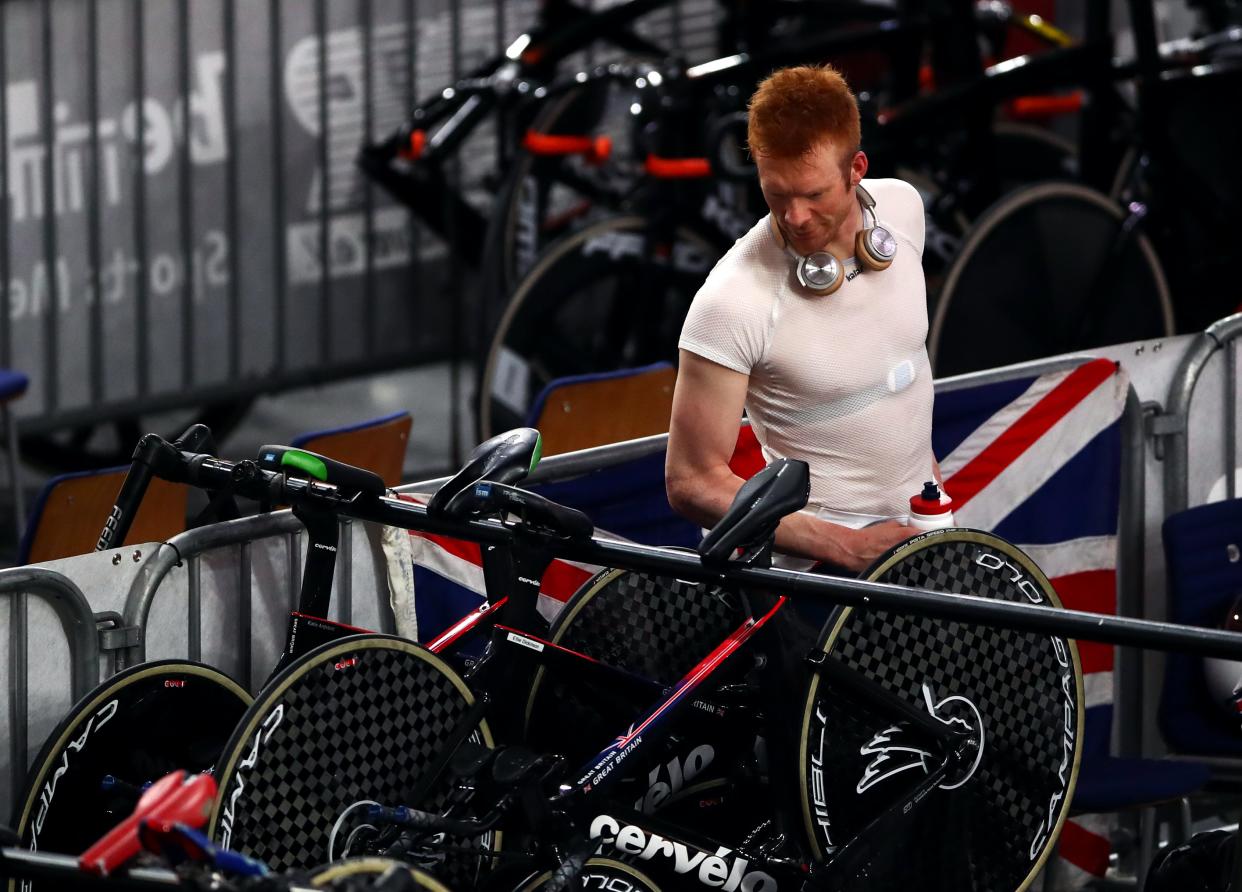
(1171, 428)
(78, 624)
(188, 548)
(204, 196)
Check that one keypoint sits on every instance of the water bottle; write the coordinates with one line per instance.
(931, 509)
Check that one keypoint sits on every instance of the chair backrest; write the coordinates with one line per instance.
(378, 445)
(582, 411)
(1204, 573)
(70, 511)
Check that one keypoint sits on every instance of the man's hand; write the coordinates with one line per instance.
(862, 547)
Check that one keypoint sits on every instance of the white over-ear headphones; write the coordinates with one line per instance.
(821, 272)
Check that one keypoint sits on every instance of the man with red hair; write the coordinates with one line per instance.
(815, 322)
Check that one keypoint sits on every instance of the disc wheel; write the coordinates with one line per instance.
(137, 726)
(363, 874)
(599, 873)
(992, 823)
(657, 628)
(369, 719)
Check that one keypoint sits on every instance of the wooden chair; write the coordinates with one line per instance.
(378, 445)
(582, 411)
(70, 511)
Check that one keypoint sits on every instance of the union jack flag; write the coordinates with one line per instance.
(1036, 460)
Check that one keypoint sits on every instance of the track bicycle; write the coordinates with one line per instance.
(1138, 251)
(368, 698)
(277, 729)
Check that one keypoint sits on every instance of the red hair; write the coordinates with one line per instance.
(795, 109)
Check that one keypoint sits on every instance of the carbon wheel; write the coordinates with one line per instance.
(600, 873)
(658, 628)
(362, 720)
(362, 874)
(992, 825)
(137, 726)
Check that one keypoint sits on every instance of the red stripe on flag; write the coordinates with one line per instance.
(747, 460)
(1085, 850)
(467, 551)
(1095, 591)
(1034, 423)
(561, 580)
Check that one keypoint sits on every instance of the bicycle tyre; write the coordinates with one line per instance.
(596, 301)
(518, 231)
(1031, 264)
(356, 721)
(350, 874)
(138, 725)
(599, 873)
(995, 828)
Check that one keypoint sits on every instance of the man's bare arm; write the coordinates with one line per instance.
(707, 407)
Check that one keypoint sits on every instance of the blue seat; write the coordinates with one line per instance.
(1204, 573)
(1111, 783)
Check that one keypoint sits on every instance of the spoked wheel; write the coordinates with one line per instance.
(547, 197)
(599, 873)
(365, 874)
(136, 727)
(992, 824)
(369, 719)
(609, 297)
(1049, 269)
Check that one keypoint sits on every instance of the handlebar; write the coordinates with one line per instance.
(247, 479)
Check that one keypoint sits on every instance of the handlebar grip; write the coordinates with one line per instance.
(301, 463)
(414, 146)
(677, 168)
(595, 149)
(1040, 108)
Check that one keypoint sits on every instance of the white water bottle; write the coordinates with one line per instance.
(931, 509)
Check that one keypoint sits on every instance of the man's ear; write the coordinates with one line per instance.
(858, 167)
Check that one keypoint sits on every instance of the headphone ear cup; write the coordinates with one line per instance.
(820, 273)
(866, 253)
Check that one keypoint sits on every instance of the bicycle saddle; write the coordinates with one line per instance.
(505, 458)
(781, 488)
(488, 498)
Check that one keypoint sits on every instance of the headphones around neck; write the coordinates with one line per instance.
(821, 272)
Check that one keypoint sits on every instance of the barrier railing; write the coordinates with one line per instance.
(1172, 427)
(78, 624)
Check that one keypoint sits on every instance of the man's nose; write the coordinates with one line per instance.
(796, 215)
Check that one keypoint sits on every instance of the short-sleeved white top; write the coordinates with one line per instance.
(842, 381)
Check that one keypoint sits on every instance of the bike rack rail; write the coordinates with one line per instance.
(77, 621)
